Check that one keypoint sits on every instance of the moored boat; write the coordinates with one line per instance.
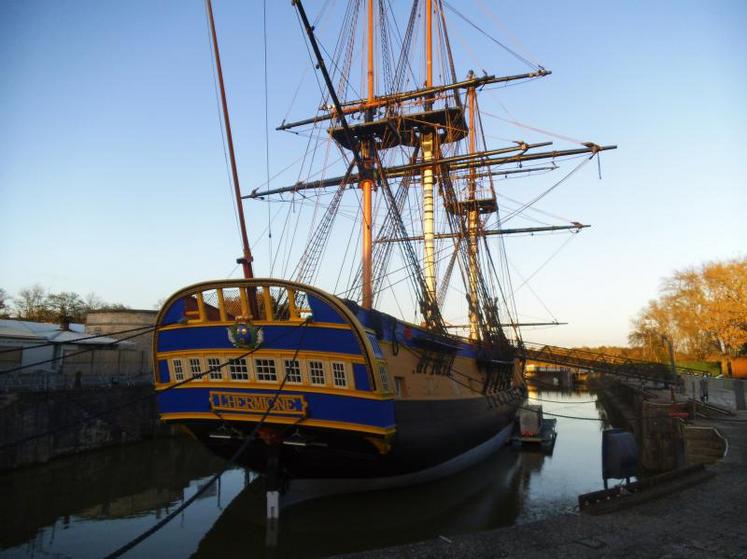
(360, 394)
(291, 379)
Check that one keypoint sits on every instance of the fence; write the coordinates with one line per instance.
(98, 368)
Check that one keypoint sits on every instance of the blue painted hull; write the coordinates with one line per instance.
(428, 433)
(348, 413)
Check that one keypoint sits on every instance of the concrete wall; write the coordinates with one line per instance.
(29, 354)
(109, 322)
(724, 392)
(27, 414)
(98, 368)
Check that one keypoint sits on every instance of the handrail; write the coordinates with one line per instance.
(604, 362)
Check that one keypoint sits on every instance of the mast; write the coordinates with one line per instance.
(423, 119)
(428, 148)
(366, 183)
(246, 259)
(472, 221)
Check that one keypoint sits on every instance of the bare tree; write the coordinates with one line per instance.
(3, 303)
(66, 305)
(93, 302)
(30, 303)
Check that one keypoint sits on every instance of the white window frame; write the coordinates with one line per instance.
(262, 363)
(216, 375)
(177, 370)
(190, 363)
(298, 368)
(311, 372)
(239, 361)
(386, 385)
(337, 367)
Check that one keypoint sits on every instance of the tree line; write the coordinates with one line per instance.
(37, 304)
(701, 310)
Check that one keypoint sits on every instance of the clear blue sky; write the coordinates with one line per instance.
(113, 180)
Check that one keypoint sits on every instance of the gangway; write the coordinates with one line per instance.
(604, 363)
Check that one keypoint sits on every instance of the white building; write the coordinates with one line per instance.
(50, 355)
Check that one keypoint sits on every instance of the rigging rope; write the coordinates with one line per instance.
(229, 180)
(428, 305)
(533, 128)
(506, 30)
(537, 198)
(134, 401)
(496, 41)
(22, 367)
(77, 340)
(546, 262)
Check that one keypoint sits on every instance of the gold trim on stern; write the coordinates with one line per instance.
(304, 422)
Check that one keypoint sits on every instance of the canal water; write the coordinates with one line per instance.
(89, 505)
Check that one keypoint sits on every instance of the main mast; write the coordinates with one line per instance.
(366, 182)
(428, 147)
(472, 221)
(416, 119)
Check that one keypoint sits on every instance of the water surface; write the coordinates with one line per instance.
(89, 505)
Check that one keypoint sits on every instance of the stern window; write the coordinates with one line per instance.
(214, 366)
(265, 369)
(238, 369)
(177, 369)
(339, 376)
(195, 367)
(316, 372)
(293, 371)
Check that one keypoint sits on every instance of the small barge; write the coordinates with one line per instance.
(533, 431)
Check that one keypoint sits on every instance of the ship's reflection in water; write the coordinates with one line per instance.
(87, 506)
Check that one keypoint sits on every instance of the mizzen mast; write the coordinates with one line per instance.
(246, 259)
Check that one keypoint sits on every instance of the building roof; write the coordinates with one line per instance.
(123, 311)
(49, 332)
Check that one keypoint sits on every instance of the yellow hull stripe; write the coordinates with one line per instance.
(338, 425)
(257, 323)
(199, 383)
(259, 353)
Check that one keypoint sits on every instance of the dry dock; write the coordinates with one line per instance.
(705, 520)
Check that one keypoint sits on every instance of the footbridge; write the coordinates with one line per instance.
(604, 363)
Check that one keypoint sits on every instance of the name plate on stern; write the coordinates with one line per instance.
(290, 405)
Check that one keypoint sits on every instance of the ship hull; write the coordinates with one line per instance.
(320, 389)
(429, 434)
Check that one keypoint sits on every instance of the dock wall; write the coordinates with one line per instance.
(25, 415)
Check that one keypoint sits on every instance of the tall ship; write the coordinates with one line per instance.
(343, 365)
